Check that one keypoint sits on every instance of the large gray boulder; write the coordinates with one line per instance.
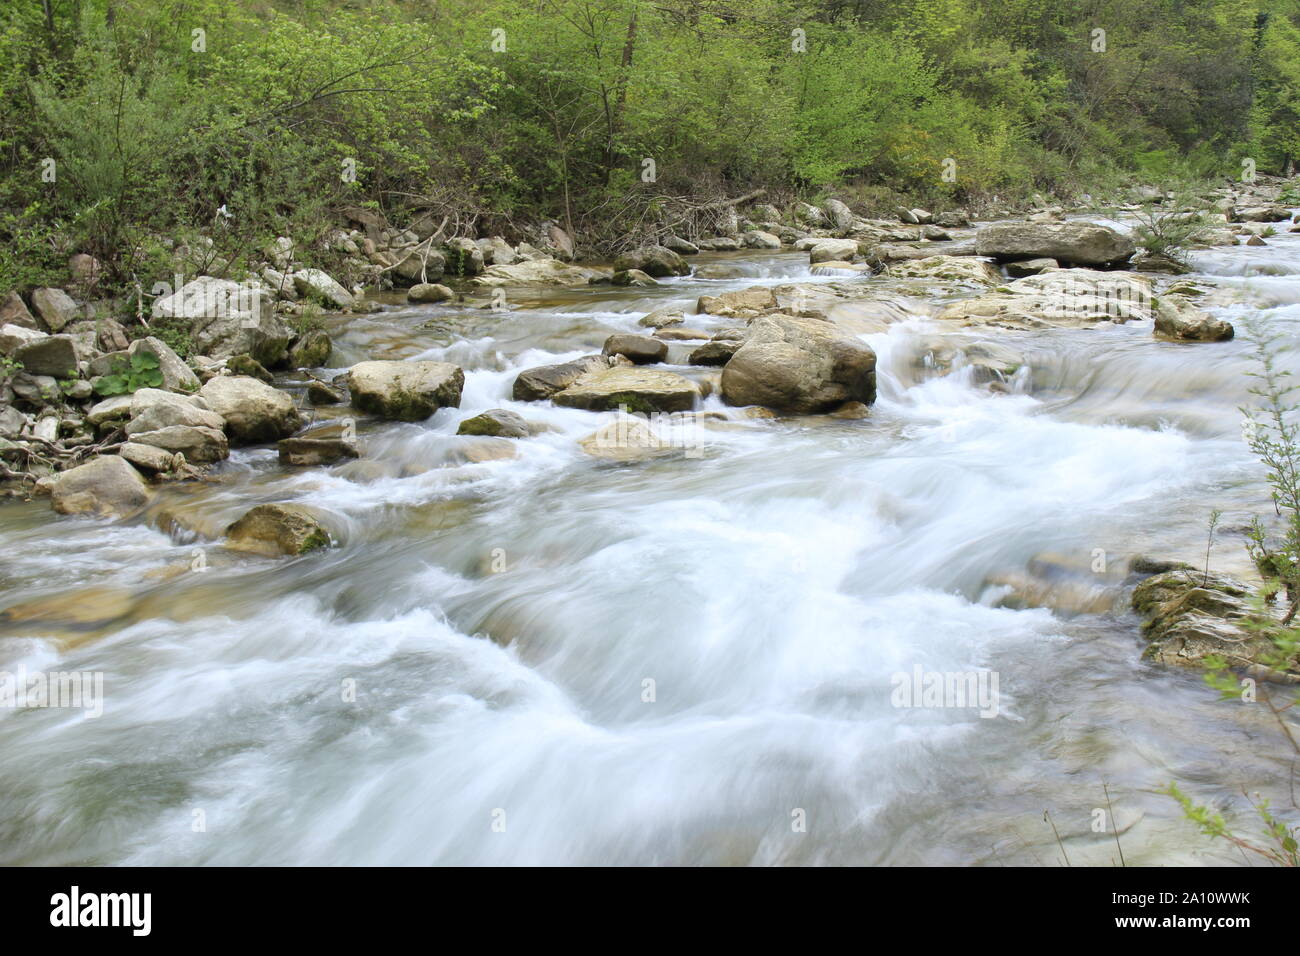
(253, 411)
(1076, 243)
(321, 286)
(54, 355)
(107, 485)
(656, 261)
(174, 423)
(799, 365)
(55, 307)
(405, 391)
(228, 318)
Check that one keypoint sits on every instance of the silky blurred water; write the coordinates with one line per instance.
(466, 678)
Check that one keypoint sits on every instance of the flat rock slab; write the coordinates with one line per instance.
(639, 389)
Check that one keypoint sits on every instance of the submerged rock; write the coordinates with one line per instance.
(275, 530)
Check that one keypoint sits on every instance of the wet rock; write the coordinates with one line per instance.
(676, 333)
(1077, 243)
(637, 389)
(150, 458)
(656, 261)
(55, 307)
(277, 530)
(1030, 267)
(538, 384)
(1190, 616)
(1271, 213)
(749, 301)
(632, 277)
(832, 250)
(254, 412)
(715, 352)
(496, 423)
(662, 318)
(1063, 298)
(315, 451)
(799, 365)
(639, 349)
(318, 393)
(429, 292)
(1180, 321)
(965, 270)
(1152, 262)
(107, 485)
(1255, 241)
(624, 440)
(311, 350)
(405, 391)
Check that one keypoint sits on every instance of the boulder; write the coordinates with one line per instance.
(228, 318)
(497, 252)
(637, 389)
(963, 270)
(276, 530)
(1179, 321)
(1077, 243)
(53, 355)
(1063, 298)
(661, 319)
(421, 266)
(13, 311)
(540, 383)
(715, 352)
(319, 393)
(405, 391)
(627, 439)
(832, 250)
(176, 375)
(254, 412)
(311, 350)
(682, 247)
(751, 301)
(1030, 267)
(1273, 213)
(464, 258)
(799, 365)
(840, 215)
(536, 272)
(55, 307)
(632, 277)
(656, 261)
(322, 287)
(12, 337)
(497, 423)
(429, 292)
(107, 485)
(315, 451)
(758, 239)
(150, 458)
(1190, 615)
(639, 349)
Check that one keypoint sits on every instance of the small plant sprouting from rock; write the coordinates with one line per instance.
(1215, 515)
(127, 377)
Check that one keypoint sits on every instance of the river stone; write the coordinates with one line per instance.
(275, 530)
(536, 272)
(107, 485)
(751, 301)
(197, 443)
(420, 267)
(717, 352)
(1190, 616)
(321, 286)
(639, 389)
(497, 423)
(319, 393)
(961, 269)
(640, 349)
(1077, 243)
(627, 439)
(632, 277)
(799, 365)
(315, 451)
(1030, 267)
(50, 355)
(1061, 298)
(1273, 213)
(254, 411)
(833, 250)
(149, 457)
(662, 318)
(405, 391)
(758, 239)
(429, 292)
(1180, 321)
(312, 350)
(55, 307)
(683, 247)
(538, 384)
(656, 261)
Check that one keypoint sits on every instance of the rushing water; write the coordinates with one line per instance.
(463, 679)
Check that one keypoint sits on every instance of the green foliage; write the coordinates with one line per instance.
(141, 371)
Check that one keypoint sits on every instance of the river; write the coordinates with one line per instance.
(550, 658)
